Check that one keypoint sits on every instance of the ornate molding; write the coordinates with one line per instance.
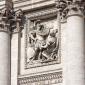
(27, 5)
(18, 20)
(9, 19)
(31, 61)
(75, 8)
(57, 77)
(4, 20)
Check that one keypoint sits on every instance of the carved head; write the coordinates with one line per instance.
(4, 12)
(53, 32)
(19, 13)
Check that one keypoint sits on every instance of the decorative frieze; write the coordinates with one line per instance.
(44, 79)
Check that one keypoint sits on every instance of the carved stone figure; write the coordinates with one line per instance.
(42, 43)
(51, 45)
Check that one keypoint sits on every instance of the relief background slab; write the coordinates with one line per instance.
(50, 23)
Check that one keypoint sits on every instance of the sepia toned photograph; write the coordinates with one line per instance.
(42, 42)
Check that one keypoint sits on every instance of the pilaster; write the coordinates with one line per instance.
(15, 46)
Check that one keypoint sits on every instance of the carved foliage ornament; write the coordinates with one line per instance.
(8, 19)
(64, 6)
(5, 15)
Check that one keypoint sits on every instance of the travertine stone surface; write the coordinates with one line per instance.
(4, 58)
(63, 44)
(74, 70)
(14, 59)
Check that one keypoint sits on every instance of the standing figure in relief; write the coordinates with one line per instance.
(42, 43)
(30, 48)
(41, 35)
(31, 44)
(37, 39)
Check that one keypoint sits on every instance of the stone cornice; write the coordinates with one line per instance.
(42, 13)
(29, 5)
(43, 77)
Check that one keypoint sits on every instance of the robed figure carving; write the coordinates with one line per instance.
(42, 44)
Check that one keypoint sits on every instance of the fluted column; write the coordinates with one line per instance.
(74, 62)
(4, 54)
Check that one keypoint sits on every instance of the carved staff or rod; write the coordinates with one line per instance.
(58, 24)
(58, 43)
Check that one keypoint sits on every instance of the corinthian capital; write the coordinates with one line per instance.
(60, 5)
(5, 16)
(75, 7)
(69, 7)
(19, 14)
(18, 21)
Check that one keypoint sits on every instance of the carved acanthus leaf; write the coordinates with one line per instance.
(65, 6)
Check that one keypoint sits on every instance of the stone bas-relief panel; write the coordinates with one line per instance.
(42, 43)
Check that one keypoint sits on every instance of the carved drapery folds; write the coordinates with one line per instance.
(68, 7)
(9, 18)
(42, 45)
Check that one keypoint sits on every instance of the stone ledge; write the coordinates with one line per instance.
(57, 76)
(29, 5)
(43, 13)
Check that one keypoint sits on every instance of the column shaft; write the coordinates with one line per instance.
(14, 59)
(4, 58)
(74, 61)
